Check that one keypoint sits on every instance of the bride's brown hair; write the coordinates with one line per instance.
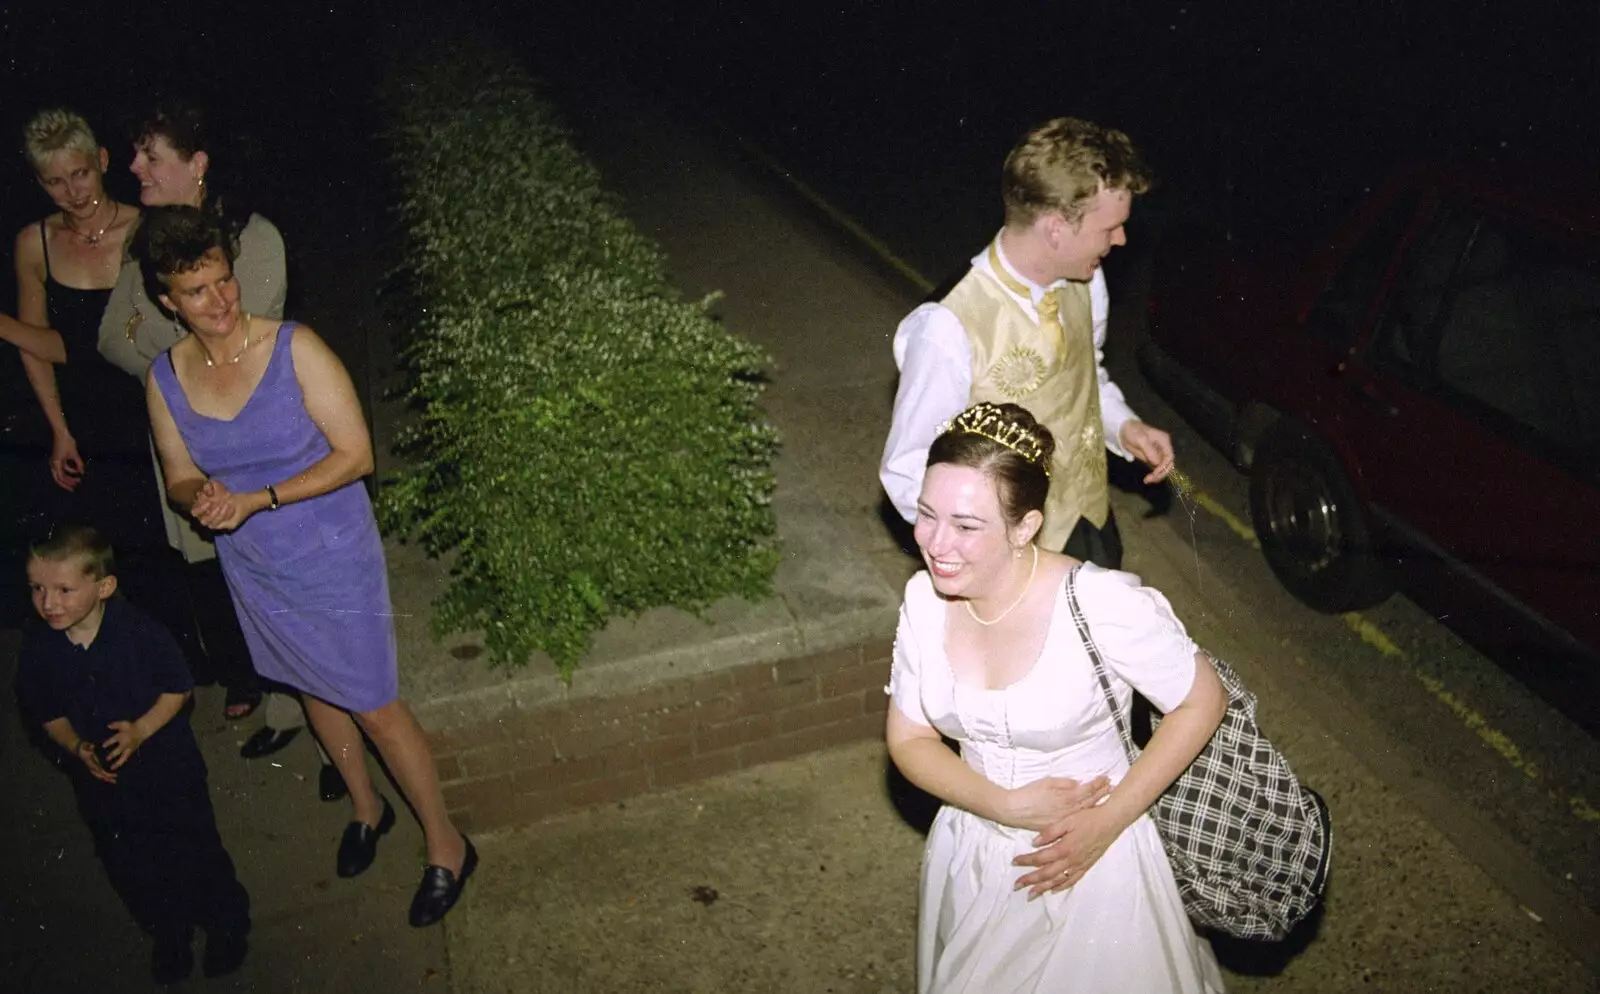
(1005, 443)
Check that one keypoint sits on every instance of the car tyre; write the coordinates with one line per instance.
(1312, 525)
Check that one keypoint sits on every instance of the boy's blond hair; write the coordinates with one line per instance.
(82, 542)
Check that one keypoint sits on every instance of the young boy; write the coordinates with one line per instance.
(109, 685)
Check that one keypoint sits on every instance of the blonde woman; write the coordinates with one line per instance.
(66, 265)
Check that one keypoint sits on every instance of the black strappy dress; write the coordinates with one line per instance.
(105, 410)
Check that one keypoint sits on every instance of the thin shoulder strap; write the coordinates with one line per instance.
(44, 243)
(282, 345)
(165, 373)
(1099, 665)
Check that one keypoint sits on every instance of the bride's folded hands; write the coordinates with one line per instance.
(1070, 848)
(1047, 802)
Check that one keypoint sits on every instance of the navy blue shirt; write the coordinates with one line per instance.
(117, 677)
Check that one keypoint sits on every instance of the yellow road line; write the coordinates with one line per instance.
(1373, 635)
(1580, 809)
(1368, 632)
(1186, 488)
(1491, 737)
(838, 217)
(1500, 742)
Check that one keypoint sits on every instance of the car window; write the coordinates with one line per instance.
(1505, 323)
(1341, 311)
(1409, 336)
(1567, 298)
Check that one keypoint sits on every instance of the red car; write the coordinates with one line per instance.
(1416, 402)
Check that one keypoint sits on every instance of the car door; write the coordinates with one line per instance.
(1475, 408)
(1304, 373)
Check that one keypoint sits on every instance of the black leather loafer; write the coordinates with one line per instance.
(440, 889)
(224, 953)
(359, 846)
(172, 959)
(330, 783)
(267, 741)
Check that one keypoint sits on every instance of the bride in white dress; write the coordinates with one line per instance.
(1043, 872)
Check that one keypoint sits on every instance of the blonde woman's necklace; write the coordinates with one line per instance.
(1020, 597)
(92, 240)
(242, 349)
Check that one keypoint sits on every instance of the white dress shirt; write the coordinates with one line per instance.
(934, 355)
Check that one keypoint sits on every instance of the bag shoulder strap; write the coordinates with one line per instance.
(1082, 624)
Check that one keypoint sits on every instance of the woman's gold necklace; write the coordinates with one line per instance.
(242, 349)
(94, 239)
(1002, 615)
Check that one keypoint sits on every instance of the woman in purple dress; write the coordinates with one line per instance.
(262, 440)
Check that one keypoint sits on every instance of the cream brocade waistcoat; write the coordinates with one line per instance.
(1015, 361)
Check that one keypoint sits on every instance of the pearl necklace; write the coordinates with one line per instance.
(94, 239)
(238, 355)
(1002, 615)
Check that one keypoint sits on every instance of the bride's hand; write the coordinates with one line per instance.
(1043, 803)
(1069, 850)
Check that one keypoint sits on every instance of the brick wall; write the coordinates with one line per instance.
(587, 751)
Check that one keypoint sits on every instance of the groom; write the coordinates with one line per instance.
(1027, 325)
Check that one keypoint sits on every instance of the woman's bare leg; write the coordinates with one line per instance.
(341, 738)
(394, 730)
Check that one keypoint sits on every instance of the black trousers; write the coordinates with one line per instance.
(1101, 546)
(164, 857)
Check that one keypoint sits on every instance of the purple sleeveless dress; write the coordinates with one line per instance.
(308, 580)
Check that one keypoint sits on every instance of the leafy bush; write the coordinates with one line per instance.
(588, 444)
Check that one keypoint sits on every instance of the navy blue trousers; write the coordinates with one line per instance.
(159, 843)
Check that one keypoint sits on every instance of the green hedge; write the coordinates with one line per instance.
(587, 443)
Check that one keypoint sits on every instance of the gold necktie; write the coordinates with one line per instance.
(1050, 319)
(1048, 308)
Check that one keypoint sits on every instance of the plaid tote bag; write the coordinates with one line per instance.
(1248, 843)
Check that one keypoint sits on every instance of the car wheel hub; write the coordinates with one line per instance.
(1304, 517)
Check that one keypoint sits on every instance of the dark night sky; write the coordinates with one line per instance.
(1265, 116)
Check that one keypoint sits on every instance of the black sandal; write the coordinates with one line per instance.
(247, 699)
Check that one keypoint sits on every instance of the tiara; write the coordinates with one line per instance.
(986, 419)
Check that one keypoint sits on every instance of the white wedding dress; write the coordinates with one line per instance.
(1122, 928)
